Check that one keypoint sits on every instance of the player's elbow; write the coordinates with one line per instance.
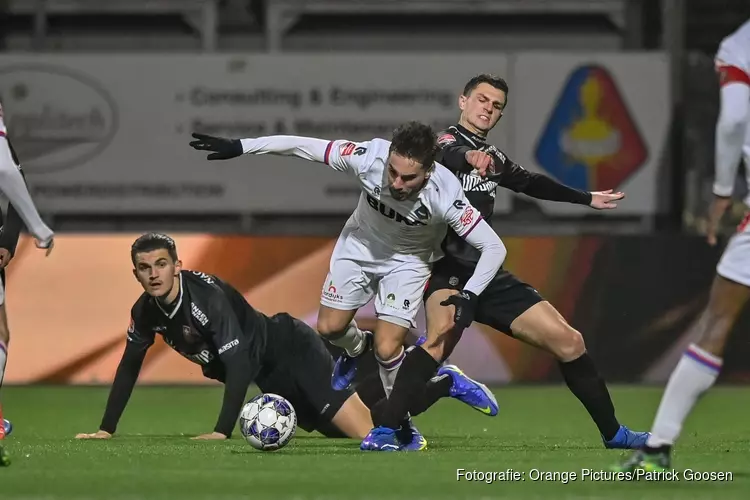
(496, 250)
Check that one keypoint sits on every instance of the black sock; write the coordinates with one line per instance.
(433, 391)
(585, 383)
(370, 390)
(667, 448)
(416, 370)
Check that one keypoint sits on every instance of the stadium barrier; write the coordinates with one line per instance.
(633, 298)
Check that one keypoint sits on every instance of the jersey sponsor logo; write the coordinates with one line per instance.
(468, 217)
(474, 183)
(591, 141)
(228, 346)
(391, 213)
(198, 314)
(446, 139)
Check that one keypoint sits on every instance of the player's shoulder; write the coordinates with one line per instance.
(140, 308)
(203, 283)
(448, 136)
(444, 181)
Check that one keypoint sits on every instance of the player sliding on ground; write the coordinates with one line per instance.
(211, 324)
(700, 365)
(386, 249)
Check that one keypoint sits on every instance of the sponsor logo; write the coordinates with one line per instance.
(60, 118)
(198, 314)
(228, 346)
(390, 213)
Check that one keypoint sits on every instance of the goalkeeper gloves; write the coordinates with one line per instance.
(466, 303)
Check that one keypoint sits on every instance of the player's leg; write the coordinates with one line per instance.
(346, 289)
(512, 306)
(4, 340)
(311, 364)
(699, 367)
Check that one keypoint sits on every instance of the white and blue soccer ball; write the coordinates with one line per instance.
(268, 422)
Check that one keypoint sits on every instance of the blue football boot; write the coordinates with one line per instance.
(469, 391)
(381, 439)
(8, 427)
(409, 437)
(625, 439)
(346, 366)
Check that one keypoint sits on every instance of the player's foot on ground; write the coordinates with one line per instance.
(625, 439)
(469, 391)
(4, 457)
(410, 438)
(646, 460)
(346, 366)
(7, 427)
(381, 439)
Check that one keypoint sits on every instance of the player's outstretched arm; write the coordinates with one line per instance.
(14, 188)
(307, 148)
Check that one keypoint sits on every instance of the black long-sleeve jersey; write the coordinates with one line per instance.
(210, 324)
(11, 220)
(453, 145)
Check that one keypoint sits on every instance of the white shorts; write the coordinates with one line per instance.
(354, 279)
(734, 264)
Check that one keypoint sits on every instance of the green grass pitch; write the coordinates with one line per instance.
(538, 428)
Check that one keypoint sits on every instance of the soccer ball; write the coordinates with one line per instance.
(268, 422)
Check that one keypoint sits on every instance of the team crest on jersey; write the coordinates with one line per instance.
(446, 139)
(189, 334)
(468, 217)
(347, 149)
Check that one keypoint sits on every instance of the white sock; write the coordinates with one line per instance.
(389, 370)
(3, 360)
(695, 374)
(352, 340)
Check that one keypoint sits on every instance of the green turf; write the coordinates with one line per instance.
(542, 428)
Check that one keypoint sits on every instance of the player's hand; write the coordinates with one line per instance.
(223, 149)
(213, 436)
(719, 205)
(481, 161)
(605, 200)
(46, 245)
(465, 303)
(96, 435)
(5, 257)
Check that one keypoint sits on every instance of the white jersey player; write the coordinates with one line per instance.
(701, 364)
(387, 246)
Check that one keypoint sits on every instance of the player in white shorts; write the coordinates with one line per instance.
(699, 367)
(387, 246)
(20, 206)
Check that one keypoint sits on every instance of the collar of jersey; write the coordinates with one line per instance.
(176, 306)
(470, 135)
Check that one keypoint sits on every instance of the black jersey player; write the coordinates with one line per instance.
(210, 323)
(508, 304)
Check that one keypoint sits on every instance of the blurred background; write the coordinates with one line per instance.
(101, 96)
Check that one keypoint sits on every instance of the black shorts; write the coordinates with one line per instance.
(505, 299)
(301, 369)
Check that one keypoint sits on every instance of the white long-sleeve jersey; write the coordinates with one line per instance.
(734, 49)
(398, 229)
(14, 188)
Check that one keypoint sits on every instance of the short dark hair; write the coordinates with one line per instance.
(495, 81)
(416, 141)
(153, 241)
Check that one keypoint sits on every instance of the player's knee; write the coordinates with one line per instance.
(387, 348)
(569, 344)
(330, 326)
